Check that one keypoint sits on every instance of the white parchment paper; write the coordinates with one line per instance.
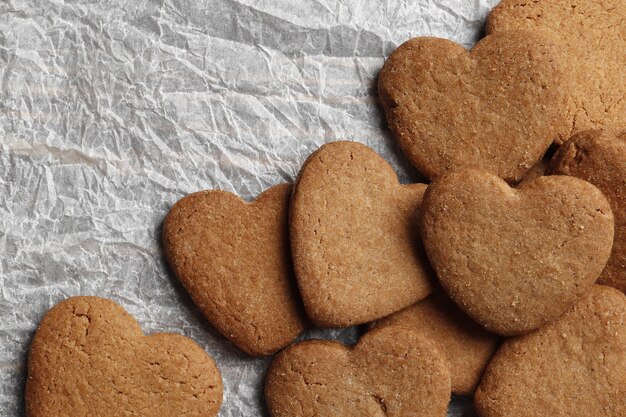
(112, 111)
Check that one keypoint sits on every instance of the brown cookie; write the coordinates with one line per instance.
(233, 259)
(467, 346)
(515, 259)
(590, 36)
(496, 108)
(599, 157)
(356, 252)
(392, 371)
(574, 367)
(89, 357)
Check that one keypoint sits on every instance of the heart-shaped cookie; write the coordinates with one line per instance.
(599, 156)
(496, 108)
(468, 347)
(233, 259)
(89, 357)
(515, 259)
(355, 249)
(392, 371)
(574, 367)
(590, 36)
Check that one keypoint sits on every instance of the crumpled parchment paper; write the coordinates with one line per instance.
(109, 113)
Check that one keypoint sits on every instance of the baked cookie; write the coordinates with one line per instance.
(391, 371)
(89, 357)
(515, 259)
(497, 107)
(590, 36)
(356, 252)
(573, 367)
(233, 259)
(599, 156)
(467, 346)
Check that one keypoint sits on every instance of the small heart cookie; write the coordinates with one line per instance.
(496, 108)
(515, 259)
(355, 249)
(392, 371)
(590, 36)
(574, 367)
(468, 347)
(599, 156)
(233, 259)
(89, 357)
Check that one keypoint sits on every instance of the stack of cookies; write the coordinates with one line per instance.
(502, 278)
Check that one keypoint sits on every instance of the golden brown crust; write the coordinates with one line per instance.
(573, 367)
(393, 371)
(233, 259)
(468, 347)
(89, 357)
(590, 36)
(356, 251)
(515, 259)
(599, 156)
(497, 107)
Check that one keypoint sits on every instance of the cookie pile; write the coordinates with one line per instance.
(483, 282)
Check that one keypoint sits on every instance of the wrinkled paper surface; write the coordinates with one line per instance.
(110, 113)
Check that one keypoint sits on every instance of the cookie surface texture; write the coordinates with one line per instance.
(233, 259)
(89, 357)
(355, 246)
(497, 107)
(515, 259)
(574, 367)
(392, 371)
(467, 346)
(591, 40)
(599, 156)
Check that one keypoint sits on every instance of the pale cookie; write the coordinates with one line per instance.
(467, 346)
(89, 357)
(574, 367)
(515, 259)
(356, 251)
(393, 371)
(590, 36)
(497, 107)
(233, 259)
(599, 157)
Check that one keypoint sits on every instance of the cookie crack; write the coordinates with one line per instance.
(81, 316)
(381, 403)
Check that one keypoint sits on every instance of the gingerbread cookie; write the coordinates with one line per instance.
(497, 107)
(467, 346)
(515, 259)
(574, 367)
(590, 36)
(233, 259)
(356, 251)
(89, 357)
(599, 157)
(391, 371)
